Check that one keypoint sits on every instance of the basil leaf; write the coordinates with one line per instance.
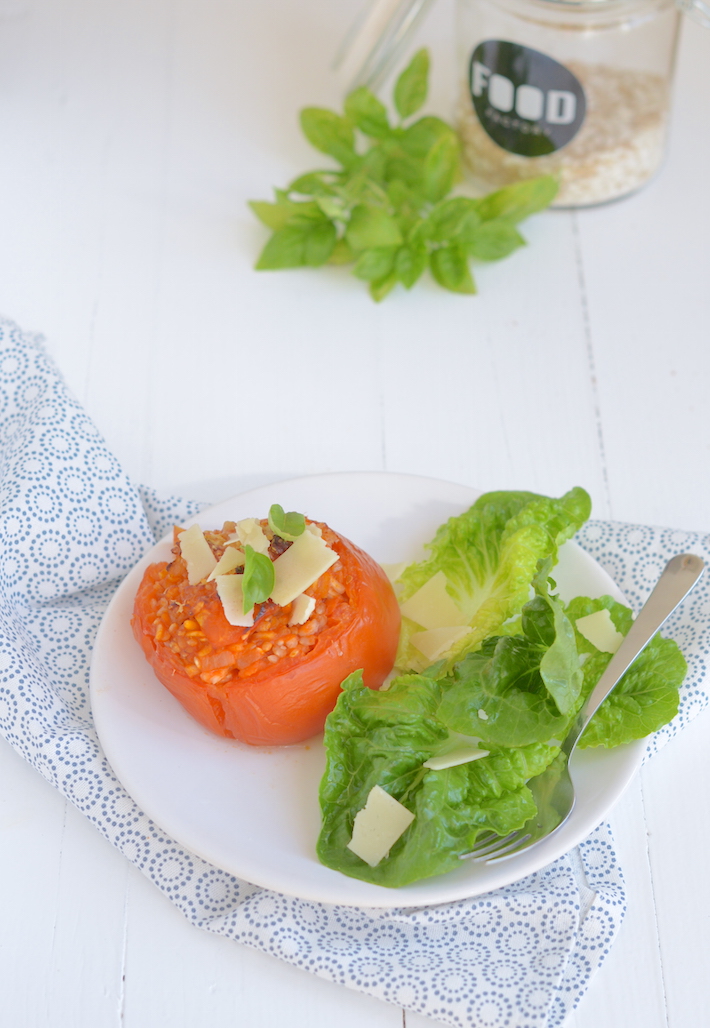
(410, 263)
(450, 216)
(341, 253)
(519, 200)
(372, 226)
(492, 240)
(258, 577)
(402, 197)
(315, 183)
(330, 133)
(368, 113)
(273, 215)
(374, 165)
(375, 264)
(276, 215)
(419, 232)
(380, 289)
(308, 243)
(418, 139)
(449, 266)
(318, 244)
(287, 526)
(333, 207)
(405, 169)
(410, 89)
(285, 249)
(386, 211)
(442, 167)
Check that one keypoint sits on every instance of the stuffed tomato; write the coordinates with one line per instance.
(272, 681)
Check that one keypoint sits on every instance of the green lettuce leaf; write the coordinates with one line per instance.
(383, 738)
(512, 686)
(519, 689)
(647, 696)
(490, 555)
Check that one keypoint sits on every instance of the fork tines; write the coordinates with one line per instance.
(491, 847)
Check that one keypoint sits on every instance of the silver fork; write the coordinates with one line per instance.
(553, 790)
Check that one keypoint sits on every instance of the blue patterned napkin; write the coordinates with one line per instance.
(71, 525)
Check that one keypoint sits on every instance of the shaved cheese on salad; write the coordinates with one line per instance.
(600, 631)
(432, 606)
(378, 826)
(436, 641)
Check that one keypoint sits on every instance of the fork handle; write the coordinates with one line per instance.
(677, 579)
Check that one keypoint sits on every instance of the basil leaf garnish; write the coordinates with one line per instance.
(258, 577)
(288, 526)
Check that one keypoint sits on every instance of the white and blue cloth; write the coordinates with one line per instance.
(71, 526)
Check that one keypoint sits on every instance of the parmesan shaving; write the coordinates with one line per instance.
(231, 558)
(431, 606)
(600, 631)
(378, 826)
(250, 533)
(229, 590)
(298, 567)
(197, 554)
(436, 641)
(303, 607)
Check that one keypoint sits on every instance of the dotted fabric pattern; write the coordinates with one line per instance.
(71, 525)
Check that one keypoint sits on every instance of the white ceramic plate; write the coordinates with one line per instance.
(254, 811)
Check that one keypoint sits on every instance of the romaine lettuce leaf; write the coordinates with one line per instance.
(383, 738)
(514, 683)
(490, 555)
(647, 696)
(520, 689)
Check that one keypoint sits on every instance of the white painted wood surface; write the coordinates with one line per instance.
(132, 136)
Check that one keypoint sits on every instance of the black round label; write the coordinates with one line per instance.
(527, 102)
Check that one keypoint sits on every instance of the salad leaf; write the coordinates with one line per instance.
(559, 667)
(647, 696)
(520, 689)
(383, 738)
(490, 555)
(511, 691)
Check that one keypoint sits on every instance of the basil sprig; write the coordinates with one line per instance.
(286, 525)
(257, 579)
(386, 210)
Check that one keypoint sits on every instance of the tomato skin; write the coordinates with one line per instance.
(288, 702)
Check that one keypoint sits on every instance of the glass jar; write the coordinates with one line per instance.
(575, 88)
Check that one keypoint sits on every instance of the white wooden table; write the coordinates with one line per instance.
(132, 136)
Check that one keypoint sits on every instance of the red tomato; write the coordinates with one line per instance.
(273, 683)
